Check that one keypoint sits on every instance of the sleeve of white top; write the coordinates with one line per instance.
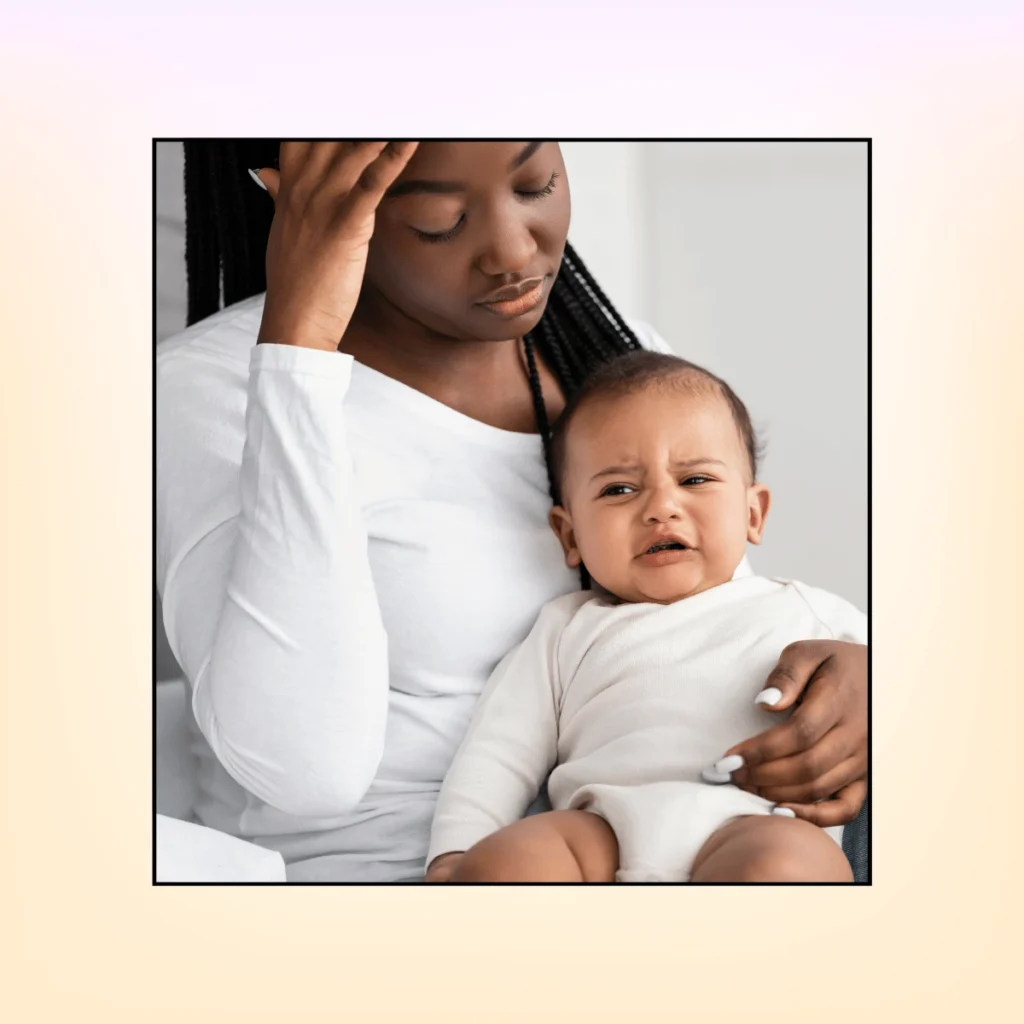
(269, 603)
(511, 744)
(843, 620)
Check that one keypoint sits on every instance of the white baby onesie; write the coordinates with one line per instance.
(624, 704)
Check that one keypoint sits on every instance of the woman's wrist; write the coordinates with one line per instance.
(298, 332)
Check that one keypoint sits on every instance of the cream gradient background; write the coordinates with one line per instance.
(87, 938)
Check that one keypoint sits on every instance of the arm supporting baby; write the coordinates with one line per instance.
(510, 747)
(815, 762)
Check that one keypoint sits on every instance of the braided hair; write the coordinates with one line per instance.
(227, 224)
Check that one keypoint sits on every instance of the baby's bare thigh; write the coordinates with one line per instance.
(763, 848)
(559, 846)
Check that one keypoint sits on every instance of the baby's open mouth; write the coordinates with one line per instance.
(666, 545)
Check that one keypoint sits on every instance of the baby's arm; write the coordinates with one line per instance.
(511, 744)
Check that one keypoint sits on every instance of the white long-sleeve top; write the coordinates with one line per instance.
(608, 694)
(342, 562)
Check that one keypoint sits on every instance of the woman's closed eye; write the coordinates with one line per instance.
(530, 195)
(540, 192)
(442, 236)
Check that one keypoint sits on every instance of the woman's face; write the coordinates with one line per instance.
(466, 220)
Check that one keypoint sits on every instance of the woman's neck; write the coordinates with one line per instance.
(485, 380)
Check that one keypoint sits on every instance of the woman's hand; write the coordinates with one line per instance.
(441, 868)
(820, 752)
(325, 198)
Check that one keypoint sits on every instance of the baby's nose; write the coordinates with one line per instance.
(662, 507)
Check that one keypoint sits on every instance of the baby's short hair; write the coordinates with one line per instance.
(641, 369)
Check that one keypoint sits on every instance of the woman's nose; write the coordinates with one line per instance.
(511, 248)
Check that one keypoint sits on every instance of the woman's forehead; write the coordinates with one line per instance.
(467, 160)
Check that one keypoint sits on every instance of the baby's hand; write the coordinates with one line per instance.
(441, 868)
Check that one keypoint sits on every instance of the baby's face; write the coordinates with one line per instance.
(660, 467)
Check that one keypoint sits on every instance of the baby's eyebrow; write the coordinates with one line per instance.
(634, 468)
(690, 463)
(615, 470)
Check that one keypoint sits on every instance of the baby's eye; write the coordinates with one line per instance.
(615, 490)
(696, 479)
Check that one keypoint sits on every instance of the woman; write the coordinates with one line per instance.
(353, 484)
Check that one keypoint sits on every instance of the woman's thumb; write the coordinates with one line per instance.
(268, 179)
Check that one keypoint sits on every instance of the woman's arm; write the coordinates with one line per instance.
(268, 599)
(815, 763)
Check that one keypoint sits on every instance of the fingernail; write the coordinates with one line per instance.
(771, 696)
(728, 764)
(255, 177)
(784, 812)
(710, 775)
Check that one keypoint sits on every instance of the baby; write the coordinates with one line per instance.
(623, 694)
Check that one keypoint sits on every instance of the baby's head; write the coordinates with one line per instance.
(656, 464)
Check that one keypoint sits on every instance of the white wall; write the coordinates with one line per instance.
(749, 259)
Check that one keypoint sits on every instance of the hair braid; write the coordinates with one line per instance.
(557, 358)
(541, 412)
(597, 301)
(201, 250)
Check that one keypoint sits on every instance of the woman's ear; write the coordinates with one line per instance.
(561, 523)
(759, 500)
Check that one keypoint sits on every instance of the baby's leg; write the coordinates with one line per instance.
(761, 848)
(559, 846)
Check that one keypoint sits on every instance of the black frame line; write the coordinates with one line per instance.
(694, 139)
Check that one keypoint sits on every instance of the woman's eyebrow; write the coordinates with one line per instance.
(445, 188)
(524, 154)
(408, 188)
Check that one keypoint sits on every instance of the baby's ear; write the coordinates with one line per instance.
(759, 500)
(561, 523)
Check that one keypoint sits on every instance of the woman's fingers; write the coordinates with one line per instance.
(816, 786)
(830, 750)
(292, 158)
(361, 171)
(379, 174)
(840, 810)
(348, 162)
(269, 179)
(798, 664)
(801, 731)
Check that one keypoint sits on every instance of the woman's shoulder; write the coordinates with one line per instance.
(224, 340)
(648, 336)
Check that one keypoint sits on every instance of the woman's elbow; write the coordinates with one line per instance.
(326, 777)
(327, 787)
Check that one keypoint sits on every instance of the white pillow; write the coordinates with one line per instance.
(186, 852)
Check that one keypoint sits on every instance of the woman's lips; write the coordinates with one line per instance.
(517, 307)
